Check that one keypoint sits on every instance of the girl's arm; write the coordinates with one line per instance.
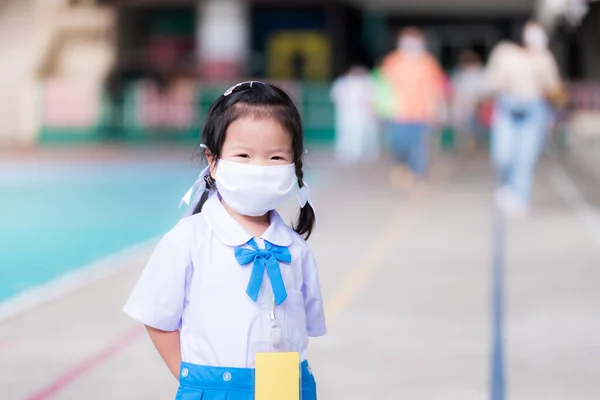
(168, 346)
(158, 299)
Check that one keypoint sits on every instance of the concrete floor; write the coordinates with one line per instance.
(406, 276)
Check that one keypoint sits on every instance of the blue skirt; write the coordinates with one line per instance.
(198, 382)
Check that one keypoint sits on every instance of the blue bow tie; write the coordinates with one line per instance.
(267, 258)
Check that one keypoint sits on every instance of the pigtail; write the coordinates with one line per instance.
(306, 218)
(210, 186)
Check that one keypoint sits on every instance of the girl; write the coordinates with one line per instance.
(231, 279)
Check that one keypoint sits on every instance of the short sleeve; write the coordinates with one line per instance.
(159, 295)
(387, 64)
(313, 300)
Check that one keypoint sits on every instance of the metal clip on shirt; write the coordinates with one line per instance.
(275, 334)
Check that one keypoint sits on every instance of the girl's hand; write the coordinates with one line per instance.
(168, 346)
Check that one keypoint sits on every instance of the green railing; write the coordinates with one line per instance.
(144, 115)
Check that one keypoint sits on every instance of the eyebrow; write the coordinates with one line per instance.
(282, 149)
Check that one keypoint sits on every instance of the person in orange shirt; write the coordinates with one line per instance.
(417, 82)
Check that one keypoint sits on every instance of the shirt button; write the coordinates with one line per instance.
(184, 372)
(226, 376)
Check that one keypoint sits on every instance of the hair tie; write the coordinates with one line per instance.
(199, 187)
(305, 198)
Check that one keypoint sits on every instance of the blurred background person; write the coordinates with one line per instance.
(523, 79)
(417, 81)
(383, 103)
(468, 84)
(356, 130)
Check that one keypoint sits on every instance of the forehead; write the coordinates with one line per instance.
(266, 132)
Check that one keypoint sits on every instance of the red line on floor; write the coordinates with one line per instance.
(89, 364)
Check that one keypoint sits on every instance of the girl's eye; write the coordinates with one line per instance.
(243, 155)
(277, 158)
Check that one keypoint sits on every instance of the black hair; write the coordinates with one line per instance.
(261, 100)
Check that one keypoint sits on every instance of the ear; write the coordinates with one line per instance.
(212, 162)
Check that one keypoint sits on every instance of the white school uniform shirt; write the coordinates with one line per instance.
(194, 283)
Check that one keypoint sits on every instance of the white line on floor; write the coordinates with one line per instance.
(569, 191)
(73, 281)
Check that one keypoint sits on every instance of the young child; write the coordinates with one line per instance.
(231, 278)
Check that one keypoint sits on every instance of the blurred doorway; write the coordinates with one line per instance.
(299, 55)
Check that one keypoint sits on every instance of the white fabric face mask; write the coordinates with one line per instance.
(535, 38)
(411, 45)
(254, 190)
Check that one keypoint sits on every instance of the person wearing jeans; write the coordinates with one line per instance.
(521, 78)
(417, 85)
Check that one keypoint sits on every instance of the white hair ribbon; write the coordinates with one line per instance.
(304, 197)
(231, 89)
(198, 187)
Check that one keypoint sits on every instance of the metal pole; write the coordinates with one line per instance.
(498, 381)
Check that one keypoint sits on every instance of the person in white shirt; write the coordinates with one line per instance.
(522, 79)
(355, 124)
(231, 279)
(468, 87)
